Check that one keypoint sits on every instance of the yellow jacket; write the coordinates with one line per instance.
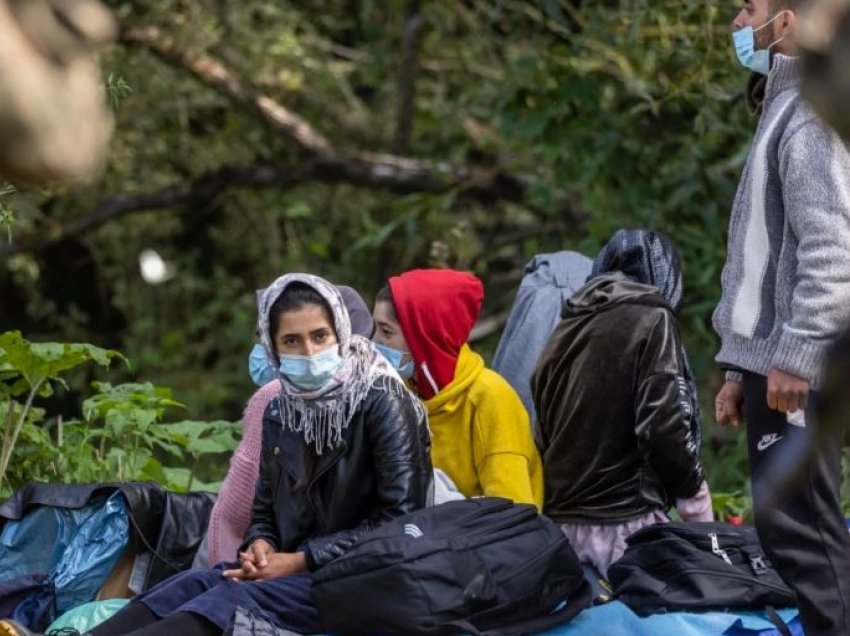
(481, 435)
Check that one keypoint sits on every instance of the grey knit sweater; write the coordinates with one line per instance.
(786, 282)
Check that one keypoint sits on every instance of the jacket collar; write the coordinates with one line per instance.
(761, 90)
(469, 367)
(784, 74)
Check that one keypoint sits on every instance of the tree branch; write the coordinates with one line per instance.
(321, 161)
(206, 187)
(216, 75)
(379, 171)
(407, 77)
(361, 168)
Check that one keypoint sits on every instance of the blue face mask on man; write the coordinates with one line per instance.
(757, 60)
(261, 370)
(394, 357)
(311, 373)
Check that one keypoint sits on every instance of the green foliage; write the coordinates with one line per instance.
(7, 215)
(117, 89)
(26, 371)
(120, 436)
(29, 367)
(732, 504)
(636, 109)
(627, 113)
(648, 129)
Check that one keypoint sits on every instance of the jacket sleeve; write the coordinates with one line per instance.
(508, 475)
(506, 458)
(663, 411)
(815, 170)
(398, 434)
(263, 524)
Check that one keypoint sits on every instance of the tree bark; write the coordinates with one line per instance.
(408, 71)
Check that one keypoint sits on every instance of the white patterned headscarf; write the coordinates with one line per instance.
(322, 415)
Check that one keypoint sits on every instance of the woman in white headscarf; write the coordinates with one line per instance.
(345, 447)
(231, 514)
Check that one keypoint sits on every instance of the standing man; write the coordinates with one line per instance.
(786, 296)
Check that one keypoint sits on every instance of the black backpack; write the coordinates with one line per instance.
(697, 567)
(483, 565)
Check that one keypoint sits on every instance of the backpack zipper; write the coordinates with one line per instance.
(510, 521)
(735, 576)
(716, 549)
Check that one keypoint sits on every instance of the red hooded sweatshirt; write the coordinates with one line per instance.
(436, 309)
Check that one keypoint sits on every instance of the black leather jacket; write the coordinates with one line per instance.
(614, 414)
(381, 470)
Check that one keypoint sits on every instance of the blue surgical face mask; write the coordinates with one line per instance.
(394, 356)
(745, 48)
(311, 373)
(261, 370)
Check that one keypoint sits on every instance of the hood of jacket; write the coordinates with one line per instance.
(436, 309)
(607, 291)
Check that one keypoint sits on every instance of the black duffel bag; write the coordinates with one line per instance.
(697, 567)
(483, 565)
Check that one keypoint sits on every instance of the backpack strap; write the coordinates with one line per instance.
(578, 601)
(774, 617)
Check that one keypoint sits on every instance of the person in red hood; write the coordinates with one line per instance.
(481, 434)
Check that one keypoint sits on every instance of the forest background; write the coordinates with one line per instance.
(354, 139)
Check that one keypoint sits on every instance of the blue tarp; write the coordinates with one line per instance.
(616, 618)
(75, 548)
(610, 619)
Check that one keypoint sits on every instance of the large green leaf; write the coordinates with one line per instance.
(36, 362)
(147, 401)
(200, 438)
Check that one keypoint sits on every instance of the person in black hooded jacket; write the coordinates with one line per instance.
(617, 404)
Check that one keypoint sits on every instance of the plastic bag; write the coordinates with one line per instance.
(76, 548)
(92, 554)
(87, 616)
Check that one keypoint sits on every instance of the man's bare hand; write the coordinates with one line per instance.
(785, 392)
(729, 404)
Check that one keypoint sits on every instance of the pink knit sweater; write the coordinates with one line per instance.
(231, 514)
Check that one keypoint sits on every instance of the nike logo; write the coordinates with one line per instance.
(767, 441)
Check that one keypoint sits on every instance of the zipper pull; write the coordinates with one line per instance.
(716, 549)
(715, 544)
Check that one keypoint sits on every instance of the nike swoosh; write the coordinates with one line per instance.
(764, 444)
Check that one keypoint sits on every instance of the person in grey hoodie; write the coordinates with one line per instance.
(785, 298)
(549, 281)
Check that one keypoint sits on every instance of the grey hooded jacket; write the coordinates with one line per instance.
(550, 279)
